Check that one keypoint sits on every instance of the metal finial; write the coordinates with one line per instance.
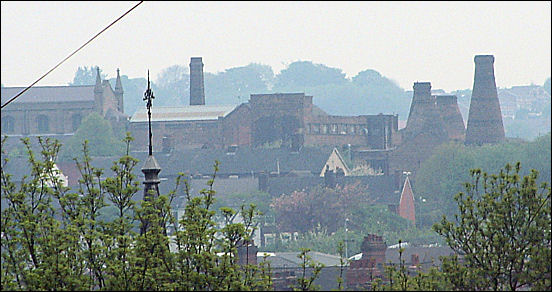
(148, 95)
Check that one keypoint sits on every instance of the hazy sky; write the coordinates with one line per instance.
(404, 41)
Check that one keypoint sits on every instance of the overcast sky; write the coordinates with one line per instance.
(404, 41)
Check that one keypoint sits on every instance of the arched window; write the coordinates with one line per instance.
(8, 124)
(43, 126)
(76, 121)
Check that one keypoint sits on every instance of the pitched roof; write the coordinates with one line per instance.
(49, 94)
(246, 160)
(428, 256)
(182, 113)
(200, 161)
(290, 259)
(406, 203)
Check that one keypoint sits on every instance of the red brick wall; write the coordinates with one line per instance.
(236, 127)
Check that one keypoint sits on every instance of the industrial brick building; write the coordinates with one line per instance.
(288, 119)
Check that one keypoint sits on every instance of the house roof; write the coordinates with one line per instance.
(247, 160)
(290, 259)
(49, 94)
(200, 161)
(406, 203)
(182, 113)
(428, 255)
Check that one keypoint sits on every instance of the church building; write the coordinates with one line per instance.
(59, 110)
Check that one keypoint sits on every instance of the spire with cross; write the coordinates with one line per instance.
(148, 96)
(151, 168)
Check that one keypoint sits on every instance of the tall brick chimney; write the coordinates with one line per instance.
(373, 247)
(197, 90)
(247, 253)
(450, 112)
(485, 118)
(424, 116)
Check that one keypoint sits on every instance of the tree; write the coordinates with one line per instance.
(342, 262)
(86, 76)
(305, 283)
(442, 174)
(52, 237)
(303, 74)
(303, 211)
(502, 231)
(400, 279)
(546, 85)
(501, 239)
(174, 85)
(235, 85)
(101, 139)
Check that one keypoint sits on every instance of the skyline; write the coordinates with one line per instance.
(404, 41)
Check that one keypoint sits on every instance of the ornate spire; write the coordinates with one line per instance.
(119, 92)
(118, 84)
(151, 168)
(148, 96)
(98, 88)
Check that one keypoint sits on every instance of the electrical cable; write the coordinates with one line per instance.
(20, 93)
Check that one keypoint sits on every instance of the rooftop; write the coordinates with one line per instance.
(182, 113)
(49, 94)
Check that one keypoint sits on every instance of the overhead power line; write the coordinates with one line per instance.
(20, 93)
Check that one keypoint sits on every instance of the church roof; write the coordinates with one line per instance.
(182, 113)
(49, 94)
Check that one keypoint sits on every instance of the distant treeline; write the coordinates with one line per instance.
(366, 93)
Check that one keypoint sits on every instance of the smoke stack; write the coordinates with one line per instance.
(485, 118)
(424, 116)
(452, 118)
(197, 91)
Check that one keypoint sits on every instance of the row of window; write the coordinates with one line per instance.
(342, 129)
(42, 123)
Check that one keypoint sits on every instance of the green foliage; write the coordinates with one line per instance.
(319, 215)
(368, 219)
(173, 84)
(502, 230)
(235, 85)
(333, 92)
(99, 134)
(306, 74)
(305, 283)
(343, 261)
(501, 237)
(259, 198)
(340, 96)
(400, 278)
(546, 85)
(55, 238)
(440, 176)
(537, 155)
(319, 206)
